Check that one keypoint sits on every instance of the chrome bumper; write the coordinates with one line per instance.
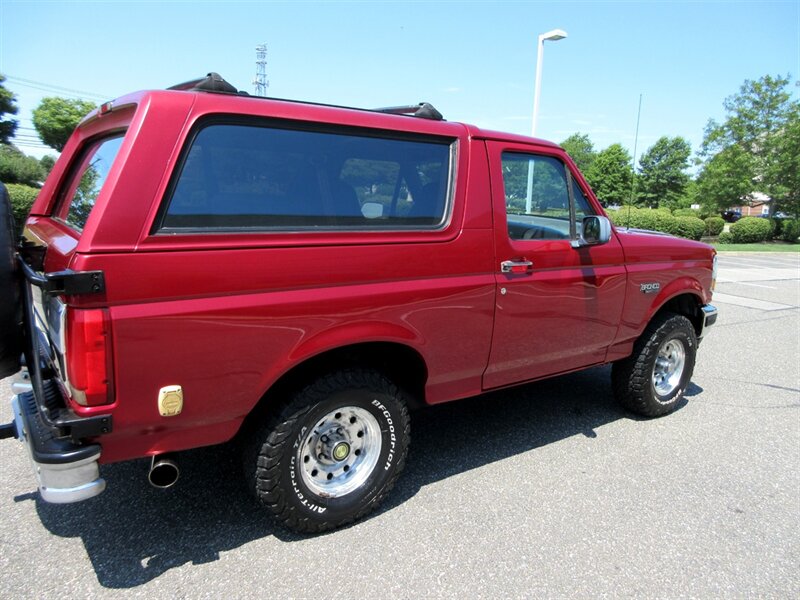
(64, 472)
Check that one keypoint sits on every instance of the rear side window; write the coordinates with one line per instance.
(252, 177)
(88, 181)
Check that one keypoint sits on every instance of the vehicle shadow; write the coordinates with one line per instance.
(133, 533)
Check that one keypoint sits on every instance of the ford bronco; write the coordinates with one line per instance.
(202, 265)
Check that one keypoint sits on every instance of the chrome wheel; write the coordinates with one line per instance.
(668, 368)
(340, 453)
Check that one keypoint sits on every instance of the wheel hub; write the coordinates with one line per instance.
(340, 452)
(668, 368)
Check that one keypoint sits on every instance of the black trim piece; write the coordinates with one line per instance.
(8, 430)
(46, 446)
(213, 82)
(68, 282)
(423, 110)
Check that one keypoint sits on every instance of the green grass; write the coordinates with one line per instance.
(765, 247)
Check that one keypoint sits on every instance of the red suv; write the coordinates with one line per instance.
(202, 265)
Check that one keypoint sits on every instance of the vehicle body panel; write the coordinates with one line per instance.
(226, 315)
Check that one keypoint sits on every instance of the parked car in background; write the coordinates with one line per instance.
(731, 216)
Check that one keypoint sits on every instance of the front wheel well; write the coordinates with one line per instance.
(688, 305)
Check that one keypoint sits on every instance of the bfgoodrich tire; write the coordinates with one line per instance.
(652, 381)
(333, 453)
(10, 300)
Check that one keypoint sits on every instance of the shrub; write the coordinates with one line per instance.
(619, 217)
(689, 227)
(726, 237)
(22, 197)
(714, 225)
(790, 230)
(685, 212)
(15, 167)
(665, 222)
(750, 230)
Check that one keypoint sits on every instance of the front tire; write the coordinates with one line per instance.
(652, 381)
(333, 453)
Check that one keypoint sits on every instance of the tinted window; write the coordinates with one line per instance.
(250, 177)
(90, 179)
(536, 197)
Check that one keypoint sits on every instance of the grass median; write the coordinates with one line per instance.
(765, 247)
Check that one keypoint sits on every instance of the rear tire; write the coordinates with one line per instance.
(11, 333)
(332, 454)
(652, 381)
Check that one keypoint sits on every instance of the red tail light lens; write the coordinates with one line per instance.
(89, 364)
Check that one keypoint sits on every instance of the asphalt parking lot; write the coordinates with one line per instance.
(549, 490)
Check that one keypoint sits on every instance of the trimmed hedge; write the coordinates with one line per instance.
(714, 225)
(686, 212)
(692, 228)
(790, 231)
(689, 227)
(726, 237)
(22, 197)
(751, 230)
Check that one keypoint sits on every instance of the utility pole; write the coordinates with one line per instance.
(260, 82)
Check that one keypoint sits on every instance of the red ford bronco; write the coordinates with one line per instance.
(202, 265)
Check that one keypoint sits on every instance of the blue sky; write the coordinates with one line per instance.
(475, 61)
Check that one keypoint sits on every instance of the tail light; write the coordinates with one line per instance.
(89, 359)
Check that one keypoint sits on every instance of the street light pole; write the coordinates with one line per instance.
(554, 35)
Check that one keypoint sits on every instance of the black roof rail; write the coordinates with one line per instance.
(213, 82)
(423, 110)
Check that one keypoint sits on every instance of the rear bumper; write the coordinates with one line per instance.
(66, 471)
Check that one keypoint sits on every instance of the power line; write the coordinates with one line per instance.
(47, 87)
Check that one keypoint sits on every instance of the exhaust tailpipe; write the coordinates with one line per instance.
(164, 471)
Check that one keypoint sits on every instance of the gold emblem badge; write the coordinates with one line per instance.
(170, 400)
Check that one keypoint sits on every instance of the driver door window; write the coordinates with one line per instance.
(537, 197)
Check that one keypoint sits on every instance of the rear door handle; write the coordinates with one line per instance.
(516, 266)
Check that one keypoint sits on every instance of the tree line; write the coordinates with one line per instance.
(755, 149)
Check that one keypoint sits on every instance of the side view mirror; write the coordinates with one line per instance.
(595, 230)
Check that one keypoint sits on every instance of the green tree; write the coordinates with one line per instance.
(15, 167)
(783, 172)
(758, 120)
(726, 178)
(581, 150)
(7, 107)
(663, 178)
(47, 162)
(611, 175)
(56, 118)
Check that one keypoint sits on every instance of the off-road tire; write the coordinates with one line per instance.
(633, 377)
(11, 333)
(274, 460)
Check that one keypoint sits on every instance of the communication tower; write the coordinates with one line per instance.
(260, 82)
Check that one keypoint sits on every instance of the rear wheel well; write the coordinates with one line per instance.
(401, 364)
(688, 305)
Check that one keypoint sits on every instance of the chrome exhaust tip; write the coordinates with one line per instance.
(164, 471)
